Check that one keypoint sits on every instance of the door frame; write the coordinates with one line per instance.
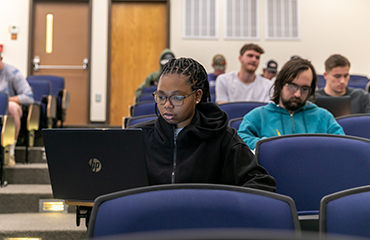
(110, 39)
(31, 28)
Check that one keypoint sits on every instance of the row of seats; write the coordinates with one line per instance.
(51, 102)
(222, 212)
(355, 81)
(49, 91)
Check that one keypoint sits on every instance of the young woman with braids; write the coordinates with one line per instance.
(190, 141)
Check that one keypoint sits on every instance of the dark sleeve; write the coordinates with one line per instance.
(242, 166)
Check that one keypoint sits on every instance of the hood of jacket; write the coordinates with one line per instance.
(208, 121)
(276, 108)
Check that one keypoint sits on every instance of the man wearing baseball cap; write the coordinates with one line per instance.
(270, 69)
(219, 66)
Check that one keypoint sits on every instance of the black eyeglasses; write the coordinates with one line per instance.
(294, 88)
(175, 100)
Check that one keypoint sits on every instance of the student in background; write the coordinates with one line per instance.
(290, 112)
(20, 93)
(245, 84)
(219, 67)
(337, 76)
(269, 70)
(152, 78)
(190, 141)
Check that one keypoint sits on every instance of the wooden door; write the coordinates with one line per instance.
(138, 36)
(69, 48)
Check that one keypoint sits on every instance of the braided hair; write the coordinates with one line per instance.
(193, 70)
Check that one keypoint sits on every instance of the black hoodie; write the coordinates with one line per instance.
(205, 151)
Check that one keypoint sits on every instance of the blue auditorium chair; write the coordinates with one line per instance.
(48, 103)
(129, 121)
(320, 81)
(143, 108)
(355, 81)
(239, 109)
(149, 89)
(58, 90)
(356, 124)
(145, 97)
(358, 81)
(7, 132)
(346, 213)
(308, 167)
(191, 206)
(235, 122)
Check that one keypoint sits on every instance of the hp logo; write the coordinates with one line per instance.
(95, 165)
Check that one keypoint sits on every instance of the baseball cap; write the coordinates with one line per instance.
(219, 62)
(271, 66)
(165, 58)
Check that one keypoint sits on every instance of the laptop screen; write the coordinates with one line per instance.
(338, 106)
(86, 163)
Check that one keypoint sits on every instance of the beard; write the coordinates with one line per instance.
(293, 103)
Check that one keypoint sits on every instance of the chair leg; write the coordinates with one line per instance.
(27, 144)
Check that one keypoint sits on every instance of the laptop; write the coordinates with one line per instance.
(86, 163)
(338, 106)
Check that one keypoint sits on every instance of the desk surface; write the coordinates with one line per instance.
(86, 204)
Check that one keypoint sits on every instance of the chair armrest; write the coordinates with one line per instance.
(33, 118)
(65, 99)
(51, 109)
(7, 131)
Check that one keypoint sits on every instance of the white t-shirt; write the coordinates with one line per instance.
(229, 88)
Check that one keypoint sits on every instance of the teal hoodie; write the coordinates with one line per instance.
(272, 120)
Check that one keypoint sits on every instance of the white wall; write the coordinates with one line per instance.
(99, 59)
(327, 27)
(15, 12)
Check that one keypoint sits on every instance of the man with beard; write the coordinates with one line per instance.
(289, 112)
(337, 76)
(244, 85)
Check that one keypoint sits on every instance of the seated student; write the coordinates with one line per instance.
(337, 76)
(190, 141)
(269, 70)
(219, 66)
(245, 84)
(290, 112)
(152, 78)
(20, 93)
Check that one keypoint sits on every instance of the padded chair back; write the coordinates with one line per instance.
(355, 81)
(139, 119)
(57, 83)
(320, 81)
(346, 212)
(145, 97)
(356, 124)
(149, 89)
(235, 122)
(308, 167)
(358, 81)
(190, 206)
(239, 109)
(4, 99)
(143, 108)
(40, 88)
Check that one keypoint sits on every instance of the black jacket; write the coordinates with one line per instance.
(206, 151)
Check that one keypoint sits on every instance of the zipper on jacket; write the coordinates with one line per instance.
(174, 161)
